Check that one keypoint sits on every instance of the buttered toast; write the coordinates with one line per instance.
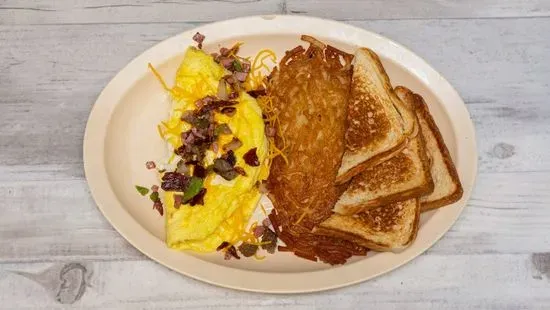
(375, 129)
(406, 175)
(387, 228)
(447, 186)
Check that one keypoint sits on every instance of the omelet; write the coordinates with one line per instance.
(228, 205)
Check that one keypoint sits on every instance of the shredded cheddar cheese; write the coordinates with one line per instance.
(159, 77)
(171, 132)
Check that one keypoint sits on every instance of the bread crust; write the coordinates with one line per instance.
(400, 143)
(370, 244)
(373, 161)
(422, 109)
(457, 194)
(426, 188)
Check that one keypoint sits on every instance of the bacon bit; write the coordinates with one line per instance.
(199, 38)
(226, 62)
(215, 147)
(182, 168)
(216, 105)
(177, 201)
(233, 95)
(173, 181)
(240, 76)
(248, 249)
(224, 169)
(230, 158)
(270, 239)
(266, 222)
(155, 188)
(158, 206)
(204, 101)
(231, 252)
(224, 51)
(197, 133)
(240, 171)
(229, 111)
(257, 93)
(230, 79)
(198, 199)
(199, 172)
(222, 246)
(251, 158)
(150, 165)
(245, 65)
(234, 144)
(258, 231)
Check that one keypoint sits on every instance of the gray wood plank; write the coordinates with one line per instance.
(145, 11)
(404, 9)
(131, 11)
(430, 282)
(52, 75)
(48, 220)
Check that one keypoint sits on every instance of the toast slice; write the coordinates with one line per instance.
(406, 175)
(376, 130)
(387, 228)
(447, 186)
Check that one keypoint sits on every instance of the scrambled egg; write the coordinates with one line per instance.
(228, 205)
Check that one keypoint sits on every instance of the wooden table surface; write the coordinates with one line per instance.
(56, 249)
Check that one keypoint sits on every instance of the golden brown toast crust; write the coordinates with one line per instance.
(424, 112)
(387, 217)
(389, 181)
(399, 163)
(368, 122)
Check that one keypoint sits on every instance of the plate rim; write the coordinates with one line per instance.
(256, 281)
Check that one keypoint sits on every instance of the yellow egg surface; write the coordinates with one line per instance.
(228, 205)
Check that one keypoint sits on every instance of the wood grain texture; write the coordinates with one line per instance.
(48, 221)
(431, 9)
(148, 11)
(131, 11)
(59, 82)
(491, 281)
(56, 249)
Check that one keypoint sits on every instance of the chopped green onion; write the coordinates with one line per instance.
(194, 187)
(142, 190)
(237, 66)
(154, 196)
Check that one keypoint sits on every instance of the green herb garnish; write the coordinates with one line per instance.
(194, 187)
(154, 196)
(142, 190)
(237, 66)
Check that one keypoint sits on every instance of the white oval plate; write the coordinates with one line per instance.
(121, 136)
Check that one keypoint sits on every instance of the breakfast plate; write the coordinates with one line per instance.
(121, 135)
